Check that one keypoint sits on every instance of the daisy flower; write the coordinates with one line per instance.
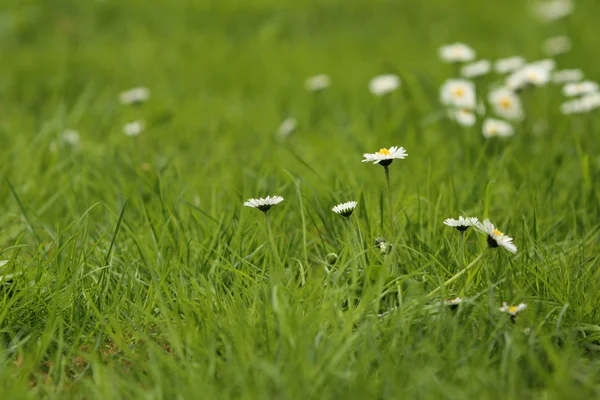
(287, 127)
(134, 128)
(456, 53)
(476, 69)
(556, 45)
(345, 209)
(581, 105)
(579, 88)
(134, 96)
(317, 83)
(509, 64)
(453, 303)
(536, 74)
(385, 157)
(462, 223)
(512, 310)
(496, 127)
(553, 10)
(384, 84)
(463, 116)
(264, 204)
(495, 238)
(567, 75)
(506, 103)
(71, 137)
(458, 93)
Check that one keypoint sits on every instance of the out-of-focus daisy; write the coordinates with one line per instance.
(506, 103)
(476, 69)
(567, 75)
(134, 96)
(579, 88)
(384, 84)
(463, 116)
(509, 64)
(496, 127)
(134, 128)
(287, 127)
(385, 157)
(456, 53)
(553, 10)
(71, 137)
(512, 310)
(495, 238)
(453, 303)
(547, 63)
(345, 209)
(529, 75)
(264, 204)
(582, 105)
(462, 223)
(458, 93)
(556, 45)
(317, 83)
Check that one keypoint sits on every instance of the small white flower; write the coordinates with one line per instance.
(476, 69)
(495, 238)
(567, 75)
(134, 128)
(512, 310)
(287, 127)
(547, 63)
(385, 157)
(317, 83)
(384, 84)
(462, 223)
(556, 45)
(264, 204)
(345, 209)
(71, 137)
(463, 116)
(591, 100)
(456, 52)
(553, 10)
(134, 96)
(536, 74)
(496, 127)
(509, 64)
(579, 88)
(458, 93)
(584, 104)
(453, 303)
(506, 103)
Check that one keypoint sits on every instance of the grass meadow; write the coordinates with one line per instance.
(131, 269)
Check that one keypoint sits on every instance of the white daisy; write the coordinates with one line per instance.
(553, 10)
(134, 96)
(506, 103)
(264, 204)
(453, 303)
(536, 74)
(591, 100)
(495, 238)
(384, 84)
(512, 310)
(462, 223)
(385, 157)
(556, 45)
(287, 127)
(509, 64)
(345, 209)
(476, 69)
(458, 93)
(134, 128)
(579, 88)
(581, 105)
(496, 127)
(463, 116)
(456, 52)
(317, 83)
(567, 75)
(71, 137)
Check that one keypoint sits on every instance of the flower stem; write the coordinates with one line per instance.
(275, 253)
(456, 276)
(389, 197)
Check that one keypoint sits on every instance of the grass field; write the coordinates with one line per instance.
(131, 268)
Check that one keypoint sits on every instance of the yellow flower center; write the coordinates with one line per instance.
(459, 92)
(383, 152)
(505, 103)
(497, 232)
(512, 309)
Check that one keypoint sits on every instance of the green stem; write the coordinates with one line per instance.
(456, 276)
(389, 197)
(272, 240)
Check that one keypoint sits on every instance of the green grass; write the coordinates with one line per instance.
(143, 276)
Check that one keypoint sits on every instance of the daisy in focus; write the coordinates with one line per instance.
(509, 64)
(462, 223)
(458, 93)
(495, 238)
(264, 204)
(463, 117)
(579, 88)
(384, 84)
(345, 209)
(136, 95)
(512, 310)
(556, 45)
(385, 157)
(506, 103)
(496, 127)
(134, 128)
(476, 69)
(567, 75)
(317, 83)
(456, 53)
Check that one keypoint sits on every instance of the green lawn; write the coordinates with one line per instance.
(133, 270)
